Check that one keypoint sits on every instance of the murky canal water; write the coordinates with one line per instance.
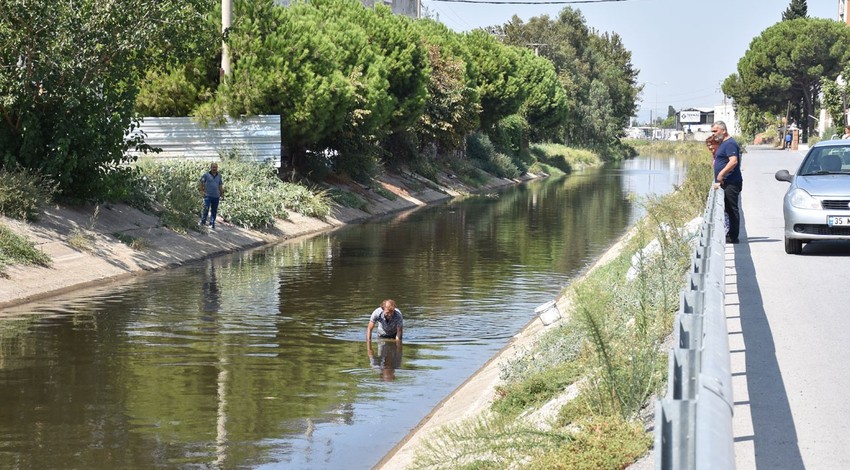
(258, 360)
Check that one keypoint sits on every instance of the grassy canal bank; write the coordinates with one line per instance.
(573, 397)
(579, 394)
(148, 216)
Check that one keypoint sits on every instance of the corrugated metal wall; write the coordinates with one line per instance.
(255, 138)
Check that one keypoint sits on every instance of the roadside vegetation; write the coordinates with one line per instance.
(602, 363)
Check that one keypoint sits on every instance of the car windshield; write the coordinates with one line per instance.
(827, 161)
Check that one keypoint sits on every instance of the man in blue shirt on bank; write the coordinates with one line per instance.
(211, 187)
(727, 176)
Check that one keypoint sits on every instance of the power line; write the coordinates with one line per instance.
(522, 2)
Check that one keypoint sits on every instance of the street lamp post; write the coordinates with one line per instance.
(655, 108)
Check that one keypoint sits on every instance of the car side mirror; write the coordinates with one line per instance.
(783, 175)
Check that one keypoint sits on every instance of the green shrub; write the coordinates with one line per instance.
(254, 196)
(15, 249)
(172, 92)
(306, 201)
(479, 147)
(384, 193)
(601, 443)
(564, 158)
(485, 155)
(467, 171)
(316, 167)
(172, 189)
(24, 192)
(425, 167)
(347, 199)
(125, 184)
(516, 397)
(361, 163)
(830, 131)
(401, 147)
(136, 243)
(510, 135)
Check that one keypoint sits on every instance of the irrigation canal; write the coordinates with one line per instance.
(258, 359)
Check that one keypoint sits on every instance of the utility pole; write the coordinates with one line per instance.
(536, 46)
(226, 19)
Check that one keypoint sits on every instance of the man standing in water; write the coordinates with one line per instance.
(389, 321)
(727, 175)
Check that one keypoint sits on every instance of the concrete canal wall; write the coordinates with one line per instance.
(107, 259)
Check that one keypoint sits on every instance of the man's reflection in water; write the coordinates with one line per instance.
(210, 295)
(387, 360)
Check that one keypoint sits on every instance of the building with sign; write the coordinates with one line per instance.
(695, 119)
(698, 121)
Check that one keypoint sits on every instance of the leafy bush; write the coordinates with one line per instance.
(503, 166)
(172, 190)
(125, 184)
(306, 201)
(510, 135)
(254, 195)
(401, 146)
(426, 167)
(172, 92)
(347, 199)
(564, 158)
(480, 147)
(24, 192)
(467, 171)
(69, 103)
(602, 442)
(536, 388)
(15, 249)
(384, 193)
(361, 165)
(481, 150)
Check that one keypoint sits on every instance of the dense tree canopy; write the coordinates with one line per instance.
(785, 65)
(69, 74)
(500, 81)
(361, 81)
(594, 69)
(835, 96)
(545, 108)
(797, 9)
(453, 105)
(368, 83)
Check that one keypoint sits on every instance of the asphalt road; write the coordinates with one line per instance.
(789, 323)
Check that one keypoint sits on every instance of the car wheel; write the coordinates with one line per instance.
(793, 246)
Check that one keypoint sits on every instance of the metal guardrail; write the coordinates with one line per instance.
(255, 138)
(693, 422)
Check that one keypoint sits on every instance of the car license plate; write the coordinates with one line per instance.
(834, 220)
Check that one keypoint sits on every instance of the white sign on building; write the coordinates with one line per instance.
(689, 117)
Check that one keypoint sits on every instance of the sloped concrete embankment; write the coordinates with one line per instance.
(105, 258)
(474, 397)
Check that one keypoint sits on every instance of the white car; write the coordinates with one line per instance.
(817, 205)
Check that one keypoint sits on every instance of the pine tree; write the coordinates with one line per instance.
(797, 9)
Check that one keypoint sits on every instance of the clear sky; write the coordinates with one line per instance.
(672, 42)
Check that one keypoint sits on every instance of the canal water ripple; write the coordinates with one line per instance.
(258, 359)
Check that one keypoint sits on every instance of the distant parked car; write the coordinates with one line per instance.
(817, 205)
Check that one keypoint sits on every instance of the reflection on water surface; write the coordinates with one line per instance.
(258, 360)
